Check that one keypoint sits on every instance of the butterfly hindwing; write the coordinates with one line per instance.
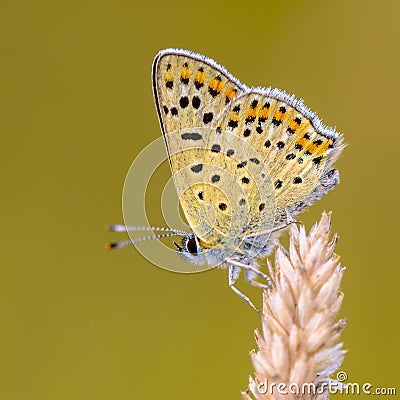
(291, 142)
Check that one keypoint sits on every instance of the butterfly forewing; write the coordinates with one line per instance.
(191, 92)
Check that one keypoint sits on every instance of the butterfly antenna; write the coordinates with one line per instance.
(124, 228)
(119, 245)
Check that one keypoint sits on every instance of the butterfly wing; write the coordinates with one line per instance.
(292, 143)
(191, 91)
(240, 157)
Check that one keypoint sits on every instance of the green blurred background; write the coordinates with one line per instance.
(78, 322)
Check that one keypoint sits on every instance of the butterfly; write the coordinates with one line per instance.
(244, 161)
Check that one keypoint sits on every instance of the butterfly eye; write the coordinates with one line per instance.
(191, 246)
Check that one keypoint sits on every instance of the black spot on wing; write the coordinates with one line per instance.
(197, 168)
(317, 160)
(208, 117)
(276, 122)
(184, 102)
(191, 136)
(215, 178)
(250, 119)
(280, 145)
(254, 103)
(196, 102)
(246, 132)
(216, 148)
(232, 123)
(236, 109)
(213, 92)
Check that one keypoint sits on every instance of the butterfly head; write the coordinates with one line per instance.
(198, 252)
(192, 250)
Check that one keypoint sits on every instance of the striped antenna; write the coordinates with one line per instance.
(124, 228)
(119, 245)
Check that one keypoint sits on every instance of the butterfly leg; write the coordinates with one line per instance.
(248, 267)
(250, 278)
(233, 275)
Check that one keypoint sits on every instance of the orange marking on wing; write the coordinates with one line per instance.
(293, 125)
(312, 148)
(200, 77)
(217, 85)
(251, 113)
(185, 73)
(279, 116)
(234, 117)
(320, 150)
(303, 142)
(264, 113)
(231, 93)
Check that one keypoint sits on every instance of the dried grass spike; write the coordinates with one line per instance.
(300, 345)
